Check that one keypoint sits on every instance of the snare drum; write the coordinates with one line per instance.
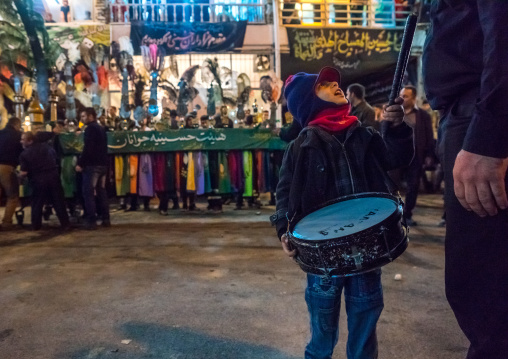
(350, 235)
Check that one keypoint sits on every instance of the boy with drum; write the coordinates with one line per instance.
(335, 156)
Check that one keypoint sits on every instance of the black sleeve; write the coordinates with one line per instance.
(429, 135)
(487, 134)
(394, 148)
(279, 219)
(288, 134)
(88, 139)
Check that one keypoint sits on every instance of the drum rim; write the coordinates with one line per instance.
(297, 219)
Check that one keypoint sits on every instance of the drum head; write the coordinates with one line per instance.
(344, 218)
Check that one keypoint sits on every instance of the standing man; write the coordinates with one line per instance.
(93, 162)
(359, 107)
(10, 149)
(465, 68)
(421, 123)
(39, 162)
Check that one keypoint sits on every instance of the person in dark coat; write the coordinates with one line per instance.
(359, 107)
(421, 123)
(93, 163)
(332, 157)
(39, 163)
(465, 72)
(10, 149)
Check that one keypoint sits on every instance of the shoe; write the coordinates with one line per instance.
(442, 223)
(411, 223)
(192, 207)
(163, 213)
(90, 226)
(184, 206)
(123, 207)
(106, 223)
(131, 209)
(175, 206)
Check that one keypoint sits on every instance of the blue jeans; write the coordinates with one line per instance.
(94, 183)
(364, 303)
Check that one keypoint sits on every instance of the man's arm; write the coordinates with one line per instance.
(480, 168)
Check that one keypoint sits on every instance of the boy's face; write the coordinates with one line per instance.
(331, 92)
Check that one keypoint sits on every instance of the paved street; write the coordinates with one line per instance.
(199, 285)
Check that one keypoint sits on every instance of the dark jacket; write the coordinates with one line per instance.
(10, 146)
(95, 150)
(291, 132)
(38, 159)
(423, 136)
(465, 50)
(318, 167)
(366, 115)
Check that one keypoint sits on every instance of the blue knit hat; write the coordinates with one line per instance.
(301, 96)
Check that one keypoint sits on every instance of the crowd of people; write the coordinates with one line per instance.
(39, 156)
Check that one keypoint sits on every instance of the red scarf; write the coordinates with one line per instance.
(334, 119)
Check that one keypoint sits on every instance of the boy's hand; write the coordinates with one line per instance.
(286, 246)
(394, 113)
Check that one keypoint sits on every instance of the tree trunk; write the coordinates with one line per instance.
(38, 53)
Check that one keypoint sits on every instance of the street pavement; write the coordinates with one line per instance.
(198, 285)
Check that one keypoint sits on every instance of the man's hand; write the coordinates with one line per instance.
(480, 183)
(79, 169)
(394, 113)
(286, 246)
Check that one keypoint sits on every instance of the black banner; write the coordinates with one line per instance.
(365, 56)
(180, 38)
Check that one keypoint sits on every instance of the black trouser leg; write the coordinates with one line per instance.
(413, 175)
(476, 248)
(146, 202)
(163, 200)
(58, 200)
(39, 197)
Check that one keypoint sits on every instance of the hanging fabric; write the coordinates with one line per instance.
(171, 172)
(133, 173)
(68, 176)
(224, 180)
(118, 174)
(206, 172)
(191, 179)
(247, 171)
(178, 170)
(159, 172)
(214, 168)
(199, 173)
(145, 176)
(126, 180)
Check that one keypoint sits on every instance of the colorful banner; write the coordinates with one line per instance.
(366, 56)
(180, 38)
(88, 35)
(180, 140)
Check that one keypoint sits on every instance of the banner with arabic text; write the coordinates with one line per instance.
(180, 140)
(366, 56)
(180, 38)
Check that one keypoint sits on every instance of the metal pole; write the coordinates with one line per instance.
(276, 44)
